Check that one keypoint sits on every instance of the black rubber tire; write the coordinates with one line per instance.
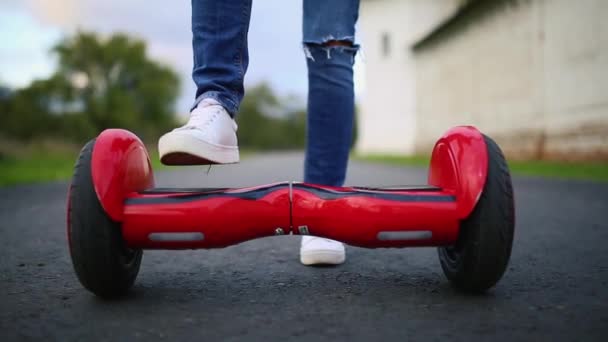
(103, 264)
(481, 254)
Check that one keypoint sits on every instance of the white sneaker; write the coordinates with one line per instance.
(209, 137)
(320, 251)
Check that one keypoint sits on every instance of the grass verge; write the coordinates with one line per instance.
(50, 161)
(596, 171)
(36, 168)
(35, 165)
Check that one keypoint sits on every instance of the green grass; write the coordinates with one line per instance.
(394, 160)
(36, 168)
(596, 171)
(42, 165)
(44, 162)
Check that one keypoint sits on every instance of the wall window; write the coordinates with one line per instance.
(386, 44)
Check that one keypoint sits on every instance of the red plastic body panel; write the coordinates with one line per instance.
(223, 217)
(392, 218)
(120, 165)
(459, 165)
(226, 217)
(211, 218)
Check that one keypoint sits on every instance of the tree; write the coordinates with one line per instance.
(258, 130)
(99, 83)
(116, 82)
(25, 112)
(285, 129)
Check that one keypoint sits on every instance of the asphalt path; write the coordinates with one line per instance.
(555, 287)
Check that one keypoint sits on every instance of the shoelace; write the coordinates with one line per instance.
(199, 120)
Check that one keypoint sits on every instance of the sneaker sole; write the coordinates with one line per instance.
(322, 258)
(181, 149)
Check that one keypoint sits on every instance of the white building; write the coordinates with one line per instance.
(533, 74)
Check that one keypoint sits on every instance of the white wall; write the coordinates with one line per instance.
(534, 75)
(386, 121)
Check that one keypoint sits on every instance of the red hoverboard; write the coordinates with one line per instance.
(114, 212)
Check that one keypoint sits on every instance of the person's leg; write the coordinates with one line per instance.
(329, 35)
(219, 41)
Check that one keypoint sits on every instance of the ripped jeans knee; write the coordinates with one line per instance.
(329, 47)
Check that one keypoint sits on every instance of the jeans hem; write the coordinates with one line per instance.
(228, 104)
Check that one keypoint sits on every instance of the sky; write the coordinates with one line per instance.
(29, 28)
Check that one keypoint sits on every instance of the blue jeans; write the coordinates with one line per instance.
(221, 58)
